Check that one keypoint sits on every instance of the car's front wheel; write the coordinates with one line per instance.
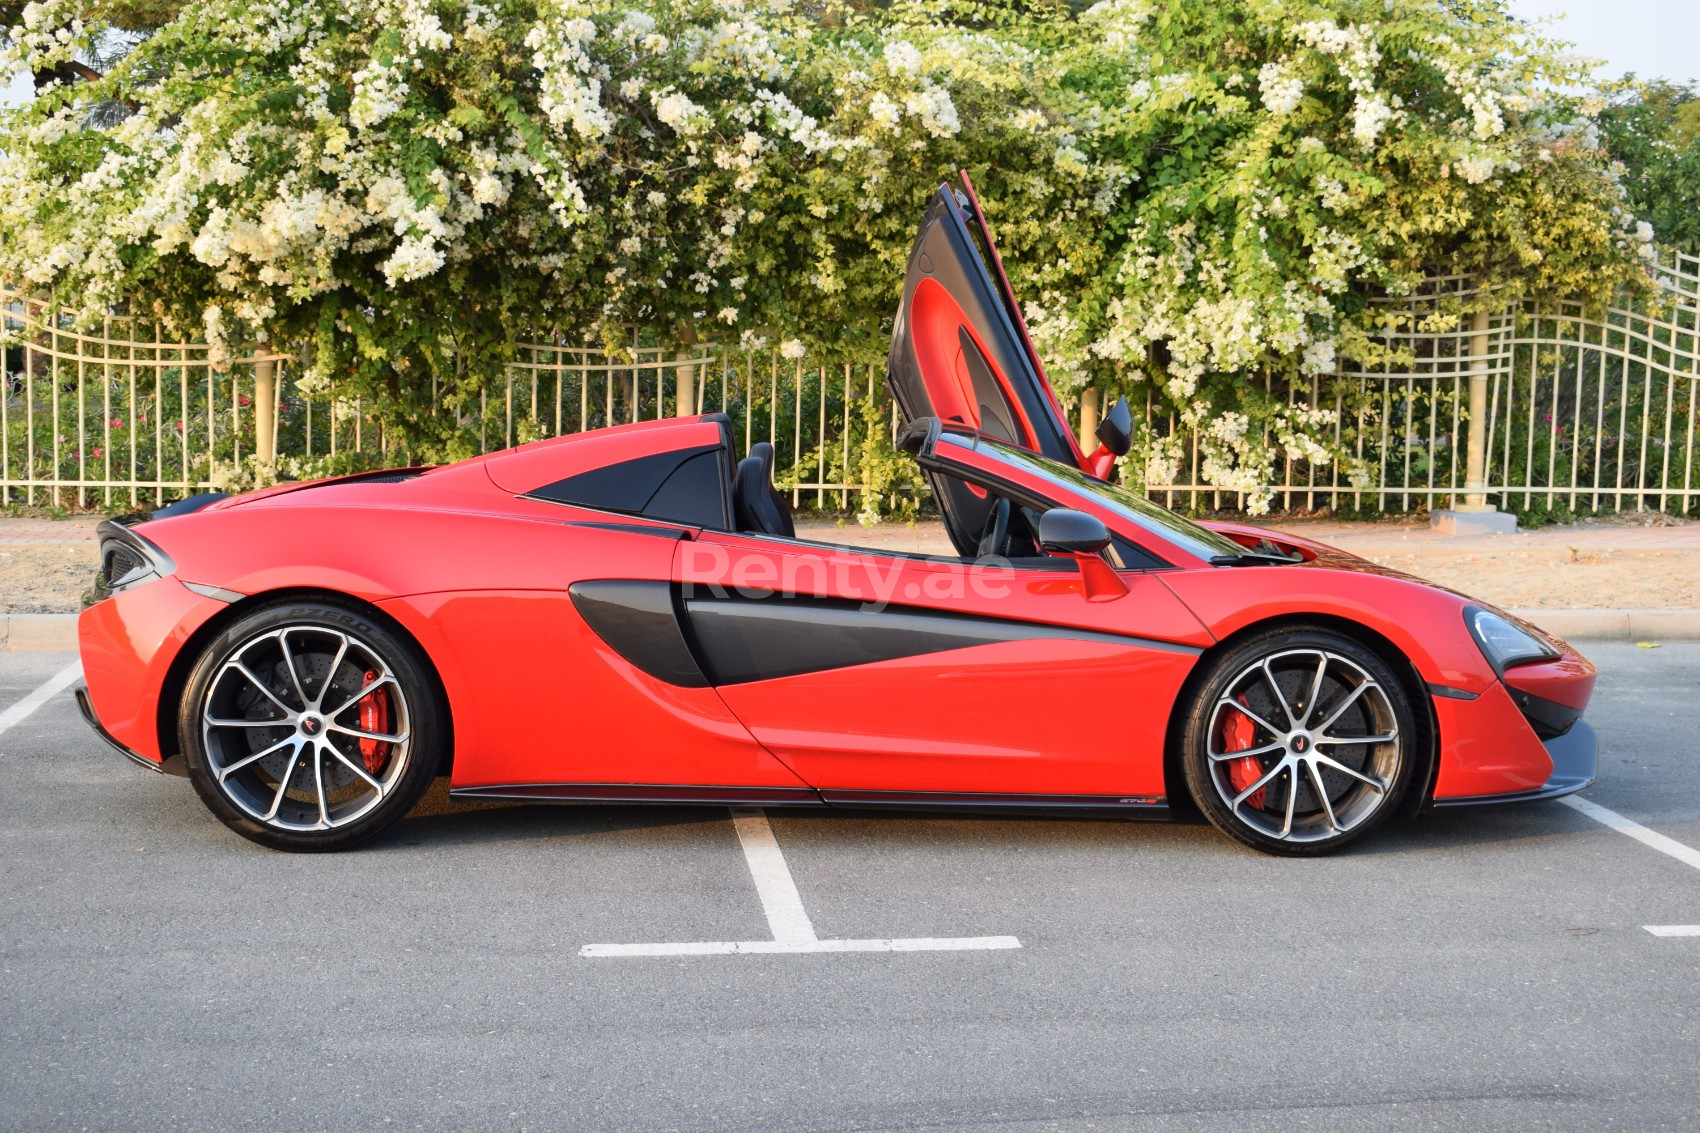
(1299, 742)
(311, 726)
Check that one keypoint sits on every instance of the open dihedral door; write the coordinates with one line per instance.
(960, 352)
(959, 349)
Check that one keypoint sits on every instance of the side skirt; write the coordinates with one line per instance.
(641, 793)
(1105, 806)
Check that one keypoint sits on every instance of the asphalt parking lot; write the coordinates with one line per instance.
(1487, 970)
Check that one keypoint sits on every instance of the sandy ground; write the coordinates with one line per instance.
(1646, 563)
(45, 580)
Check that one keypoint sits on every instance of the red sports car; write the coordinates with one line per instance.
(627, 615)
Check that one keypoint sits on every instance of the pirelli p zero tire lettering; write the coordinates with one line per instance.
(310, 726)
(1300, 742)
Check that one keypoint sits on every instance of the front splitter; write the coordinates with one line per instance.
(1575, 765)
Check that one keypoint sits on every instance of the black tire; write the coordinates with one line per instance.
(1281, 775)
(330, 776)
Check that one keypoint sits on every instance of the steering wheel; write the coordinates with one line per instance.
(994, 537)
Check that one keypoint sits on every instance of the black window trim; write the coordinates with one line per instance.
(723, 461)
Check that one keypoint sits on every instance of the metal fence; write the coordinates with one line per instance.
(1573, 413)
(1582, 413)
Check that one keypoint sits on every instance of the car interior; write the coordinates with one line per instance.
(1010, 530)
(700, 487)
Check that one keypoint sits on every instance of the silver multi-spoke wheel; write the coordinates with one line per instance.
(1302, 745)
(310, 726)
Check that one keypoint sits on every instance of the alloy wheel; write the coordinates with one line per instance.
(306, 728)
(1303, 745)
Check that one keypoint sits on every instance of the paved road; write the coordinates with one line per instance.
(1461, 972)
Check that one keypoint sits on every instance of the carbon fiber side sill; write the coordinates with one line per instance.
(642, 793)
(1125, 806)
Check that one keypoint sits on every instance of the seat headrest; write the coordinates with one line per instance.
(755, 505)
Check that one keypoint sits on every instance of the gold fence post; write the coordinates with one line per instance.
(1475, 516)
(1089, 401)
(265, 406)
(685, 382)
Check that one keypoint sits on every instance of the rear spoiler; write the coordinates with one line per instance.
(204, 500)
(179, 507)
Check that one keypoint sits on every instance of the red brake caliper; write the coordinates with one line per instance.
(375, 717)
(1236, 733)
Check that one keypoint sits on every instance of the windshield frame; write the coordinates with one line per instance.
(1139, 512)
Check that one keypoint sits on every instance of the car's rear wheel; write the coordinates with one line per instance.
(1299, 742)
(311, 726)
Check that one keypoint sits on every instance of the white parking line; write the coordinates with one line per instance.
(793, 932)
(41, 695)
(774, 885)
(1687, 855)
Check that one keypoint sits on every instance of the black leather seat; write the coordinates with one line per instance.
(756, 506)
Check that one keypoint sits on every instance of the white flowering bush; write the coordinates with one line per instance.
(1277, 165)
(1188, 196)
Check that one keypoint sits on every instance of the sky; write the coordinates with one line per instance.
(1656, 39)
(1653, 38)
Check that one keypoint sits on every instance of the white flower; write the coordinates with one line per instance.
(936, 111)
(676, 110)
(1281, 92)
(729, 315)
(481, 21)
(415, 257)
(634, 25)
(1369, 116)
(1319, 358)
(903, 57)
(791, 348)
(883, 112)
(1333, 194)
(1475, 170)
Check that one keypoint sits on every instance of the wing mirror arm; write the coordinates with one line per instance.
(1075, 535)
(1115, 437)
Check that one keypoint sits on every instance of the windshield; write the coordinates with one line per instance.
(1160, 521)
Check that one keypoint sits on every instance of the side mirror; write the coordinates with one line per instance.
(1066, 532)
(1115, 437)
(1115, 431)
(1081, 537)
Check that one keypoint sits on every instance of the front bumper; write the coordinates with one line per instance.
(171, 766)
(1575, 764)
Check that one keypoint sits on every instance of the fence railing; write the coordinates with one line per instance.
(1574, 413)
(1581, 413)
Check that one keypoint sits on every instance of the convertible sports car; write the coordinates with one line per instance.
(627, 615)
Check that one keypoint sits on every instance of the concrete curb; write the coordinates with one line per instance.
(57, 633)
(1618, 625)
(38, 633)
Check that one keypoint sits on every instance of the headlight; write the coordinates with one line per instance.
(1504, 643)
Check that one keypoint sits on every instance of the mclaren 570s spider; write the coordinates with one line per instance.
(627, 615)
